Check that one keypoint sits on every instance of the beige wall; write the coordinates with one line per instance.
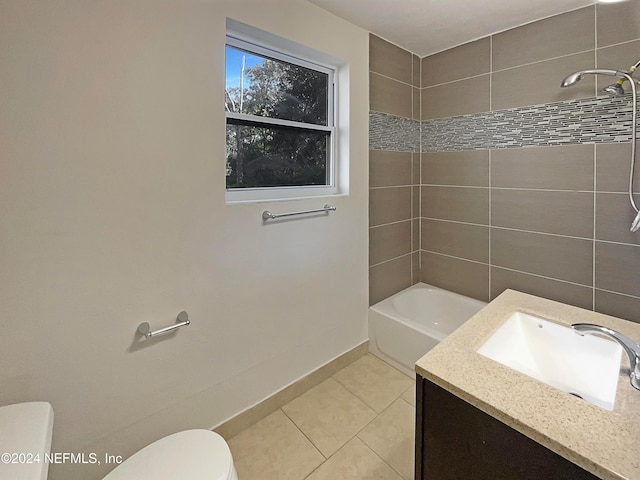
(113, 213)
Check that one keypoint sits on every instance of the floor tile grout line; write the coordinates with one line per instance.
(356, 395)
(326, 458)
(357, 434)
(408, 403)
(376, 417)
(318, 467)
(366, 446)
(305, 435)
(364, 400)
(376, 414)
(381, 459)
(380, 414)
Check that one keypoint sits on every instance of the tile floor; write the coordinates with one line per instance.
(356, 425)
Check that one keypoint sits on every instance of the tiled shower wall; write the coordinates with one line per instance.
(523, 183)
(394, 169)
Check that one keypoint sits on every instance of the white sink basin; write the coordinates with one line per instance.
(585, 366)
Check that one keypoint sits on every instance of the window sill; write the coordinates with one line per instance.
(235, 197)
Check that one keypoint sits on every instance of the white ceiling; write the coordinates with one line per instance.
(429, 26)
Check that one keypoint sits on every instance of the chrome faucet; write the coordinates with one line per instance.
(629, 346)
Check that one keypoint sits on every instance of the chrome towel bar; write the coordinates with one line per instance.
(145, 329)
(267, 215)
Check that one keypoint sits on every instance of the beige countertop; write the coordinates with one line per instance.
(605, 443)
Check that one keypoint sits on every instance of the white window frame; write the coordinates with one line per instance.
(258, 42)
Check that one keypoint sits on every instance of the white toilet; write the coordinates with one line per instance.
(192, 454)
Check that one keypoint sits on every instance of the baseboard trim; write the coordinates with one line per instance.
(245, 419)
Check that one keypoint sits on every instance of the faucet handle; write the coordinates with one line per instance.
(629, 346)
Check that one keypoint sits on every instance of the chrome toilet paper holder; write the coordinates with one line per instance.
(182, 321)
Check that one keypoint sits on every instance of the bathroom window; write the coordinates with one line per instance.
(280, 128)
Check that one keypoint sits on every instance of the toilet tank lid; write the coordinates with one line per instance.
(193, 454)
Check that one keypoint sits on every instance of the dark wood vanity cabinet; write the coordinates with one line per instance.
(457, 441)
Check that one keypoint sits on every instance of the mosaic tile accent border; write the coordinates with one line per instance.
(590, 120)
(390, 132)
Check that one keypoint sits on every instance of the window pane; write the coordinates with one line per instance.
(267, 87)
(276, 156)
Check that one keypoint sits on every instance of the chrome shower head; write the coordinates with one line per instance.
(572, 79)
(577, 76)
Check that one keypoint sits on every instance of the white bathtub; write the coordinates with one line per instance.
(405, 326)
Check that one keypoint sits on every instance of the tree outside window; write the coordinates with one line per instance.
(279, 120)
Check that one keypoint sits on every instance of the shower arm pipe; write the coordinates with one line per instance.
(629, 72)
